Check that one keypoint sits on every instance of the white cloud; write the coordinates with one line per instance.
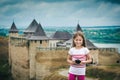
(62, 13)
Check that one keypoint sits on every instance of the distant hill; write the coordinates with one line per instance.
(98, 34)
(3, 32)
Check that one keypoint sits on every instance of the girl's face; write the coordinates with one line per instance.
(78, 41)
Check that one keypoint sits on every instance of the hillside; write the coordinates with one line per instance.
(109, 58)
(3, 48)
(4, 67)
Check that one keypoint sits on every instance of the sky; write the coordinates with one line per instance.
(60, 12)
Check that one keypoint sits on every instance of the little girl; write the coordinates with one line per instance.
(77, 57)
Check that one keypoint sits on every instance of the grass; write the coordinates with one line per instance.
(108, 58)
(58, 64)
(55, 76)
(5, 73)
(104, 72)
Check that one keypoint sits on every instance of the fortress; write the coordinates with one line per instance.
(33, 45)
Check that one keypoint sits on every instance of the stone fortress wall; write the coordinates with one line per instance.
(19, 60)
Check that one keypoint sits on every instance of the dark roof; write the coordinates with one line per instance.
(62, 35)
(13, 28)
(39, 31)
(32, 27)
(78, 28)
(35, 28)
(89, 44)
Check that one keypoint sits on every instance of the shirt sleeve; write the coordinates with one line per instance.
(70, 51)
(87, 50)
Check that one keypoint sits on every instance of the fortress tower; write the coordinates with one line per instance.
(12, 32)
(36, 37)
(22, 49)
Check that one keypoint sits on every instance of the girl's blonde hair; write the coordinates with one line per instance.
(79, 34)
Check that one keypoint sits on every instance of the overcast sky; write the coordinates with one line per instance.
(60, 12)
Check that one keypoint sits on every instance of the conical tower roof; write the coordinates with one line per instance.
(32, 27)
(78, 28)
(89, 44)
(39, 34)
(13, 28)
(39, 31)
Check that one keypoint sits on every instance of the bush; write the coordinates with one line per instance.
(101, 74)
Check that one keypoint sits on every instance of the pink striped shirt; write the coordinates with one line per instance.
(78, 69)
(81, 57)
(78, 54)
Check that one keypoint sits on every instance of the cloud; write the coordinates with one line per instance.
(110, 1)
(60, 12)
(13, 2)
(41, 11)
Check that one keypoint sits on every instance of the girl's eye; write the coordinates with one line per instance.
(78, 40)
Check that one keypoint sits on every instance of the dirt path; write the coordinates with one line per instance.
(64, 72)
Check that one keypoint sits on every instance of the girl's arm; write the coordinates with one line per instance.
(69, 60)
(89, 59)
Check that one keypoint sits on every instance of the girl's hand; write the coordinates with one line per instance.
(69, 60)
(83, 62)
(73, 63)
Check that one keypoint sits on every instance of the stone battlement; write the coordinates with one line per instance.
(103, 50)
(51, 48)
(18, 41)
